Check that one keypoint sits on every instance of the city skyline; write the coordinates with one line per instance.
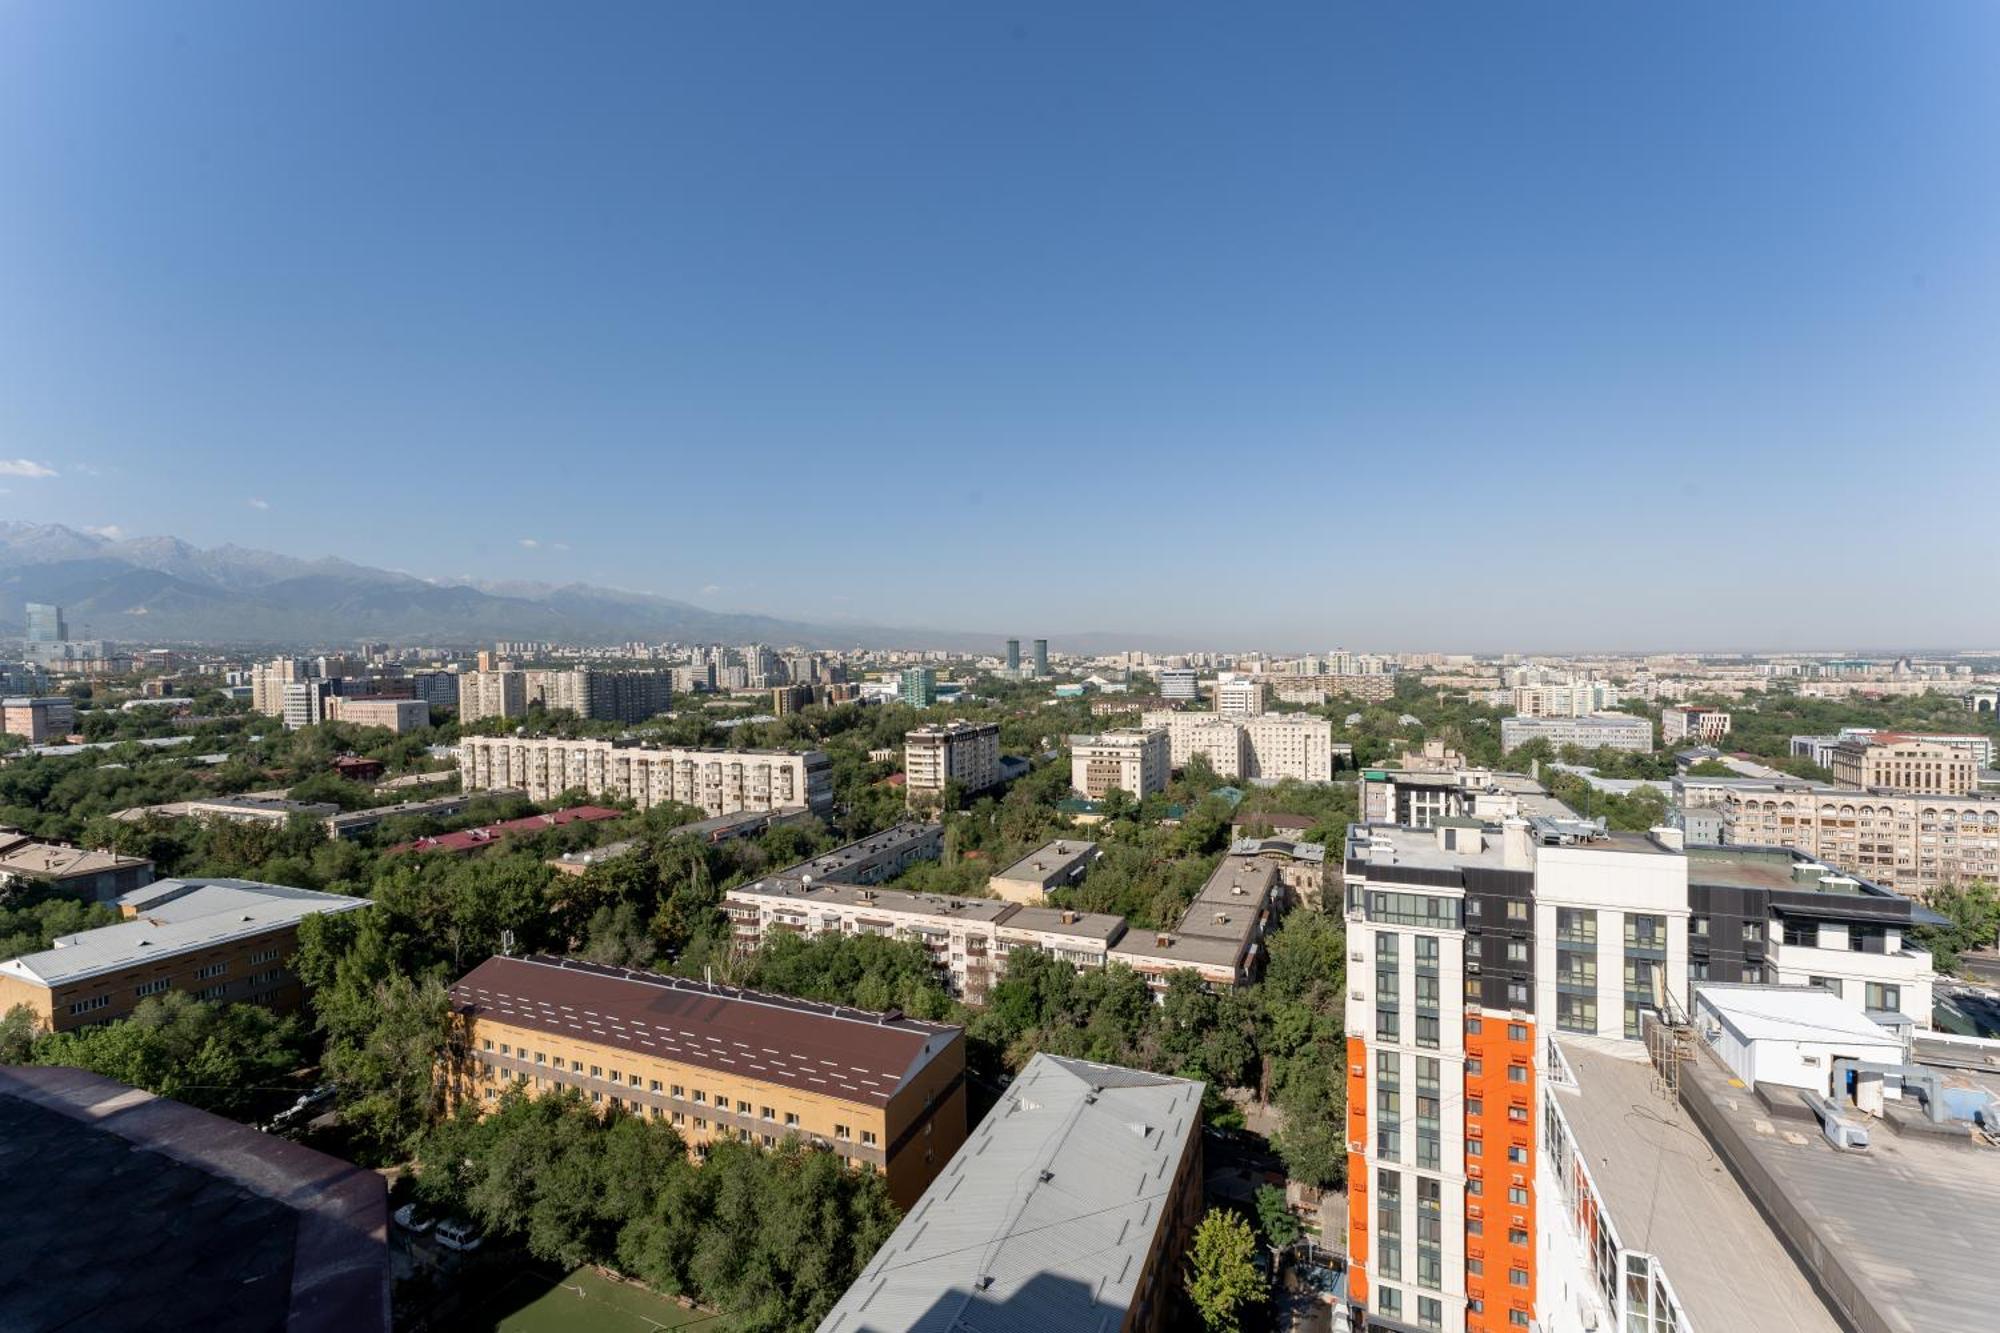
(1069, 320)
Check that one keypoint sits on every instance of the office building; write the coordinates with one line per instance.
(1220, 938)
(1055, 865)
(917, 687)
(1042, 657)
(46, 624)
(1180, 684)
(941, 754)
(229, 941)
(96, 876)
(1265, 748)
(126, 1210)
(1896, 762)
(1617, 731)
(1135, 762)
(881, 1091)
(1013, 657)
(1912, 844)
(39, 720)
(716, 782)
(397, 715)
(1035, 1225)
(1694, 724)
(483, 694)
(439, 689)
(1240, 698)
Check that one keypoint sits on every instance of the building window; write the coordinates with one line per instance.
(792, 1120)
(1517, 1073)
(868, 1138)
(145, 988)
(212, 970)
(90, 1005)
(1430, 1312)
(1517, 1277)
(1390, 1301)
(842, 1132)
(1517, 909)
(614, 1076)
(700, 1097)
(675, 1090)
(1881, 996)
(487, 1044)
(655, 1086)
(766, 1113)
(1518, 1196)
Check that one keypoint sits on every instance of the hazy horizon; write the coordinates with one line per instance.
(1392, 328)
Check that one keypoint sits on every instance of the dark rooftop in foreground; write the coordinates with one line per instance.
(129, 1211)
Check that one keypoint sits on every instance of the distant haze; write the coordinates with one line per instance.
(1469, 327)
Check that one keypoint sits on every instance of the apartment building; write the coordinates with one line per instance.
(1220, 938)
(397, 715)
(94, 875)
(224, 940)
(605, 696)
(917, 687)
(1052, 866)
(717, 782)
(1301, 865)
(1474, 949)
(484, 694)
(1136, 762)
(1691, 722)
(38, 720)
(1180, 684)
(1618, 731)
(1896, 762)
(941, 754)
(968, 938)
(1912, 844)
(1084, 1250)
(882, 1091)
(1265, 748)
(268, 681)
(1567, 699)
(1239, 698)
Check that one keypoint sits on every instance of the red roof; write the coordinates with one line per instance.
(472, 839)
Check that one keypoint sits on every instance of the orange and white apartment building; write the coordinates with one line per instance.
(1469, 944)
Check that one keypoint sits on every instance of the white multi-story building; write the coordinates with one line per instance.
(717, 782)
(937, 755)
(1619, 731)
(1182, 684)
(1691, 722)
(1239, 698)
(1136, 762)
(1265, 748)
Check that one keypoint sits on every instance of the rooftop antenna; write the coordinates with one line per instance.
(507, 943)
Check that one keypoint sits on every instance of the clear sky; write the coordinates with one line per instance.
(1388, 325)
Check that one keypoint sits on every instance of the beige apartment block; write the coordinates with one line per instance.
(935, 756)
(1266, 748)
(398, 715)
(1136, 762)
(1221, 936)
(1052, 866)
(1913, 844)
(883, 1092)
(483, 694)
(717, 782)
(1914, 764)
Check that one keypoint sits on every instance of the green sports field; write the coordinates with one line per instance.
(583, 1302)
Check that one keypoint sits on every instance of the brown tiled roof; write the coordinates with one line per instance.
(850, 1053)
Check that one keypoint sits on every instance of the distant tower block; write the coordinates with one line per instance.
(1041, 657)
(1013, 656)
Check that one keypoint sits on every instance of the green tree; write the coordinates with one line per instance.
(1221, 1277)
(390, 1070)
(1276, 1220)
(214, 1057)
(1973, 913)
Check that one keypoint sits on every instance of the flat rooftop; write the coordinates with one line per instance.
(1772, 868)
(785, 886)
(865, 850)
(1394, 845)
(1101, 926)
(1668, 1194)
(175, 916)
(853, 1054)
(1909, 1227)
(125, 1211)
(1045, 1219)
(1052, 860)
(1217, 927)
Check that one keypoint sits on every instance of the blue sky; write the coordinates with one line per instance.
(1411, 325)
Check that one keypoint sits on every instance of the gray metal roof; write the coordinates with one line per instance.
(177, 916)
(1047, 1216)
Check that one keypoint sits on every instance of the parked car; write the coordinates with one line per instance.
(458, 1234)
(412, 1219)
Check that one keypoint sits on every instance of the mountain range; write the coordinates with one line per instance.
(165, 590)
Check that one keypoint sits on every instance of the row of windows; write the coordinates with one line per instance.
(699, 1097)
